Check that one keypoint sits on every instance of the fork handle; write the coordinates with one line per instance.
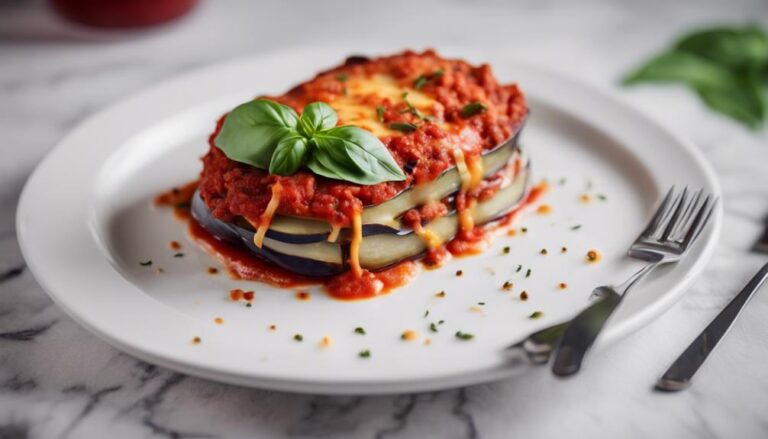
(581, 334)
(583, 330)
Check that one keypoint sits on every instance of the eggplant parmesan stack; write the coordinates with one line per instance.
(442, 162)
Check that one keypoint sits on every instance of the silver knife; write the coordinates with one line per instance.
(678, 376)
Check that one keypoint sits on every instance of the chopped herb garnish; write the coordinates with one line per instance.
(601, 197)
(589, 185)
(360, 330)
(298, 337)
(481, 303)
(433, 327)
(562, 181)
(506, 250)
(543, 251)
(528, 273)
(576, 227)
(519, 267)
(420, 82)
(426, 313)
(441, 322)
(524, 229)
(145, 263)
(365, 353)
(178, 255)
(536, 315)
(248, 305)
(403, 127)
(464, 335)
(473, 109)
(342, 77)
(411, 109)
(380, 113)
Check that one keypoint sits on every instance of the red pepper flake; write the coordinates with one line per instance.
(507, 286)
(326, 341)
(236, 294)
(302, 295)
(440, 295)
(409, 335)
(523, 295)
(213, 270)
(563, 249)
(593, 256)
(273, 327)
(544, 209)
(459, 272)
(248, 295)
(218, 320)
(196, 340)
(585, 198)
(562, 285)
(174, 245)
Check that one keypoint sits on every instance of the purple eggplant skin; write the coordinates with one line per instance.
(239, 236)
(236, 235)
(370, 229)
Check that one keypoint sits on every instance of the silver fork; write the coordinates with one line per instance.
(671, 231)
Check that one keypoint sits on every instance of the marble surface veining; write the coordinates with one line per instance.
(59, 381)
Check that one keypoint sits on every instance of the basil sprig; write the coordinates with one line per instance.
(727, 67)
(271, 136)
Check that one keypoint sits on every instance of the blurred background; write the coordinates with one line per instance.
(62, 60)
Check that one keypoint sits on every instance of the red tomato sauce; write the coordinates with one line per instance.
(232, 189)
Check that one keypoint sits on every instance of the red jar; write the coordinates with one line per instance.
(122, 13)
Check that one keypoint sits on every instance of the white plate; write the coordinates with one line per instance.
(85, 220)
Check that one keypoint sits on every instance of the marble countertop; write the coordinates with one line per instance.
(57, 380)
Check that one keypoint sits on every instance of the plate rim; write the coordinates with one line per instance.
(638, 319)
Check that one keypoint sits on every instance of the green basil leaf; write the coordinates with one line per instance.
(355, 155)
(743, 101)
(472, 109)
(732, 47)
(290, 155)
(682, 67)
(252, 131)
(317, 116)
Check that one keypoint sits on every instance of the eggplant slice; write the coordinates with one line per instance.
(384, 217)
(382, 247)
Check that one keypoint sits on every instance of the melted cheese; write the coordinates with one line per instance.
(466, 220)
(430, 238)
(354, 245)
(358, 106)
(266, 218)
(461, 166)
(334, 235)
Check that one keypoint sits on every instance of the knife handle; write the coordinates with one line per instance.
(679, 374)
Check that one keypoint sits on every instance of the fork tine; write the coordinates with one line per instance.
(700, 220)
(702, 224)
(653, 223)
(688, 214)
(673, 220)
